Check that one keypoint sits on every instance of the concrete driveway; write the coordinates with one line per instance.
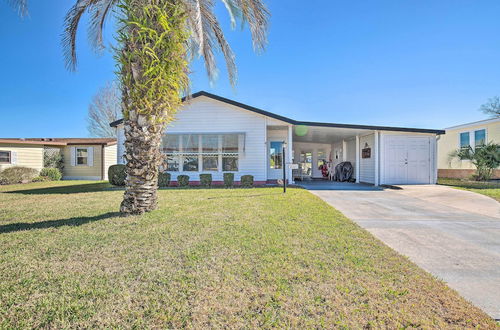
(453, 234)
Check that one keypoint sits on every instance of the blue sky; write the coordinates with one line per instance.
(423, 63)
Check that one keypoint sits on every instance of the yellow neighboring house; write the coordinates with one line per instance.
(471, 134)
(84, 158)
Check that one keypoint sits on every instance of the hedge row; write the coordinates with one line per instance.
(117, 176)
(20, 174)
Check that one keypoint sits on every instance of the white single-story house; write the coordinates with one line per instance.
(83, 158)
(212, 134)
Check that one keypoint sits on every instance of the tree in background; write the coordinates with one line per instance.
(485, 158)
(492, 107)
(104, 108)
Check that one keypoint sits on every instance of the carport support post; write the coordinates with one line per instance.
(290, 153)
(376, 151)
(344, 151)
(357, 159)
(284, 167)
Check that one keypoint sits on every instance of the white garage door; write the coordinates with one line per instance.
(407, 160)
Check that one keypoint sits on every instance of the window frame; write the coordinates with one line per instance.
(86, 158)
(485, 137)
(460, 140)
(472, 137)
(181, 155)
(10, 157)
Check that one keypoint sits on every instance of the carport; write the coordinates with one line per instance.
(379, 155)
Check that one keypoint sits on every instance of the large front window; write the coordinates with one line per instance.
(201, 152)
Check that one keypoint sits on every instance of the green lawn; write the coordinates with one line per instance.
(238, 258)
(490, 189)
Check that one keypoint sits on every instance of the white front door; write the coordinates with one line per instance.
(275, 160)
(407, 160)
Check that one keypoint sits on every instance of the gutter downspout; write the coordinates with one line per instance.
(103, 165)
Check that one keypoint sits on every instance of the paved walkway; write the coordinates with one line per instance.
(453, 234)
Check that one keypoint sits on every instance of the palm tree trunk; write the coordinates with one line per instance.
(153, 72)
(143, 155)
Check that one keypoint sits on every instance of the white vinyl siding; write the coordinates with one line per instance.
(367, 165)
(351, 154)
(204, 115)
(110, 156)
(120, 147)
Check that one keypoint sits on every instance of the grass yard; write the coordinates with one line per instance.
(239, 258)
(490, 189)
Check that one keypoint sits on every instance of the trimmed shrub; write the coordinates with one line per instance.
(206, 180)
(117, 175)
(247, 181)
(40, 179)
(228, 180)
(17, 174)
(53, 174)
(183, 180)
(163, 179)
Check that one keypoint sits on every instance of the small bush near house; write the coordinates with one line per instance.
(117, 175)
(17, 174)
(485, 158)
(163, 179)
(247, 181)
(228, 180)
(183, 180)
(206, 180)
(53, 174)
(40, 179)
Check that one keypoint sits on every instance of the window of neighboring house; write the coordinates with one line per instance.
(82, 156)
(5, 157)
(276, 155)
(201, 152)
(464, 140)
(479, 138)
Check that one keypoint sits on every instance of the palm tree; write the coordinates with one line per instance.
(157, 39)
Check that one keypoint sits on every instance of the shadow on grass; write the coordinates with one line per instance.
(21, 226)
(65, 189)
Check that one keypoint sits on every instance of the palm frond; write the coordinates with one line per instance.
(207, 35)
(255, 13)
(98, 15)
(200, 19)
(233, 11)
(99, 10)
(71, 22)
(21, 6)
